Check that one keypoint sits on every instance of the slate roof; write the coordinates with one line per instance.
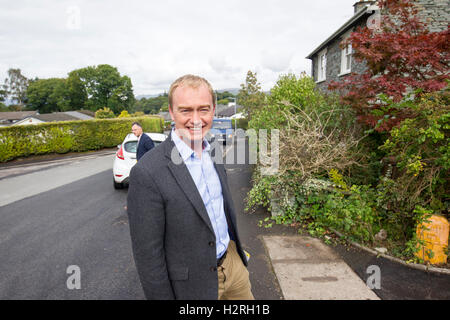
(79, 115)
(57, 116)
(16, 115)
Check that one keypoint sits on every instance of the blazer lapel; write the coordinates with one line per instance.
(184, 180)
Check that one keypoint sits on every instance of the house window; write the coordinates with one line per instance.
(346, 58)
(346, 63)
(322, 66)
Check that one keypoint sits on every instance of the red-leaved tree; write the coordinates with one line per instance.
(402, 56)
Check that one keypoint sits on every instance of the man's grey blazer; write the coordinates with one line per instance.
(172, 237)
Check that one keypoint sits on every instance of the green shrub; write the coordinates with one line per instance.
(289, 94)
(240, 123)
(104, 113)
(419, 149)
(124, 114)
(354, 213)
(69, 136)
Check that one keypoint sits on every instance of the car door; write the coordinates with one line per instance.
(129, 152)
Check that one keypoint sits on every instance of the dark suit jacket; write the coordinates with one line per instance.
(145, 144)
(172, 237)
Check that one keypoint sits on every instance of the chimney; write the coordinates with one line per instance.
(361, 4)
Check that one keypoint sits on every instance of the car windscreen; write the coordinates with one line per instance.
(222, 125)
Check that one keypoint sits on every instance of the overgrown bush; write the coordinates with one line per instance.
(316, 133)
(418, 151)
(290, 94)
(335, 175)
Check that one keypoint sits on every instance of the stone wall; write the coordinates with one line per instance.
(436, 13)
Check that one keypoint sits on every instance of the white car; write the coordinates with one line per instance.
(125, 157)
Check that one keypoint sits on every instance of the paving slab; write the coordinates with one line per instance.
(307, 269)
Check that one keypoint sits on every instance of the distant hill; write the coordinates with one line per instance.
(234, 91)
(146, 96)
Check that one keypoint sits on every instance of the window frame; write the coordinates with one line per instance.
(346, 53)
(322, 76)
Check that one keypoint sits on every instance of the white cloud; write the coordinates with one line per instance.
(276, 60)
(154, 42)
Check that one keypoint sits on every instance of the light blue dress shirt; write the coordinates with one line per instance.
(207, 180)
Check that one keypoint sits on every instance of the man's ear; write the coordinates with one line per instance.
(171, 113)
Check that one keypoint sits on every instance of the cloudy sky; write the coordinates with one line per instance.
(154, 42)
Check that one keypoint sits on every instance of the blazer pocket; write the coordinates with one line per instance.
(179, 273)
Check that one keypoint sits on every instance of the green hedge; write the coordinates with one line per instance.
(69, 136)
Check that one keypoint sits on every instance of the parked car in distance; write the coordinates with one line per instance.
(221, 131)
(125, 157)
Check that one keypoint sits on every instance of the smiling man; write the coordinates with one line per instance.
(181, 215)
(192, 110)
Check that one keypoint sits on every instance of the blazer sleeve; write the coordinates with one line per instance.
(147, 224)
(149, 144)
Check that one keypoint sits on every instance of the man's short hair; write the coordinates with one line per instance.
(137, 124)
(191, 81)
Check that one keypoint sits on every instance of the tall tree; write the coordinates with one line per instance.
(3, 94)
(402, 57)
(48, 95)
(250, 95)
(15, 86)
(224, 95)
(104, 87)
(76, 91)
(152, 105)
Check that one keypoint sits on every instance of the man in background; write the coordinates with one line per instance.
(145, 143)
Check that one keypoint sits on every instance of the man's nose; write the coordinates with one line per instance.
(196, 119)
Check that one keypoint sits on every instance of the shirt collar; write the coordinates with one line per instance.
(185, 151)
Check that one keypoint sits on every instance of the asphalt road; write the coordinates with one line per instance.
(81, 223)
(84, 224)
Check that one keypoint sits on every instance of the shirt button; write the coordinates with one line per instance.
(211, 243)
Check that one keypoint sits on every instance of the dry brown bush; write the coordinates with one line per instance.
(314, 143)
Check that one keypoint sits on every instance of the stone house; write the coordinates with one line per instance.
(331, 63)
